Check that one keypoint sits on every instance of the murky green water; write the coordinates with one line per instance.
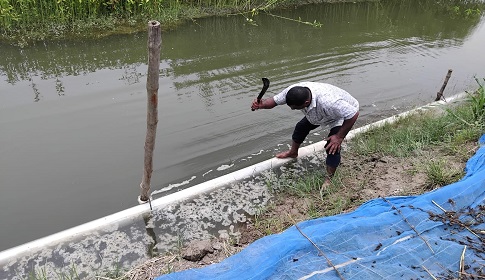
(72, 114)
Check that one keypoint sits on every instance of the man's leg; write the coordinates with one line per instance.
(332, 161)
(301, 131)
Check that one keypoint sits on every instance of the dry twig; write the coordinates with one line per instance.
(462, 263)
(412, 227)
(473, 276)
(437, 205)
(320, 252)
(461, 224)
(434, 278)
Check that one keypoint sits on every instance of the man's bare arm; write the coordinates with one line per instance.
(347, 126)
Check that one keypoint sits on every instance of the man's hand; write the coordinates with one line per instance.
(267, 103)
(334, 144)
(256, 105)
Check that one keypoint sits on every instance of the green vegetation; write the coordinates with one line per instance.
(402, 138)
(457, 126)
(30, 20)
(477, 105)
(25, 21)
(438, 173)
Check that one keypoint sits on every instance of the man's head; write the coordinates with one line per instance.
(298, 97)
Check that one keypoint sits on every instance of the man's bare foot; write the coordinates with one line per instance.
(287, 154)
(326, 184)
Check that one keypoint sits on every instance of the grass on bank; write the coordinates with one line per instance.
(25, 21)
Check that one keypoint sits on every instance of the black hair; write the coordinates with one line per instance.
(297, 96)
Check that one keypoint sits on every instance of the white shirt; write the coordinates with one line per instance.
(330, 105)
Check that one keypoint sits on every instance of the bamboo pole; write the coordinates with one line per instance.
(154, 45)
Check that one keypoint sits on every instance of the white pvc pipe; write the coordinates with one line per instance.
(195, 190)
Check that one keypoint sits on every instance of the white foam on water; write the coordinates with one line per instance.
(171, 186)
(224, 167)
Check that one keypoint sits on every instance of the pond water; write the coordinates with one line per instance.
(73, 113)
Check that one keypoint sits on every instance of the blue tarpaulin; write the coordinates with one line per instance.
(413, 237)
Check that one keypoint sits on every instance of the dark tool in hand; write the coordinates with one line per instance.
(265, 87)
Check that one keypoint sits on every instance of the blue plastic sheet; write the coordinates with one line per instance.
(386, 238)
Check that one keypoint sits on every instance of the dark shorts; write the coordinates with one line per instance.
(303, 128)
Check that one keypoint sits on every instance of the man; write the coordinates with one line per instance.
(323, 105)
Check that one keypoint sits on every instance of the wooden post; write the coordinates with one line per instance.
(439, 95)
(154, 45)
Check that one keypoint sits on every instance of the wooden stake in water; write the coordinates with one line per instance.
(439, 95)
(154, 45)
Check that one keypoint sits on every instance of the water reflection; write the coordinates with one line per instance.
(59, 87)
(152, 249)
(214, 50)
(35, 89)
